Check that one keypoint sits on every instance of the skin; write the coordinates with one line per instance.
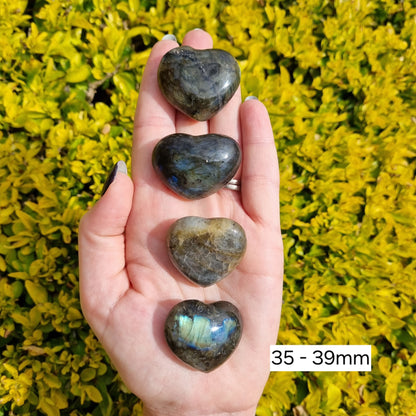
(128, 284)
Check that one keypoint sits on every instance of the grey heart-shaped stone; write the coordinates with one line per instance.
(198, 82)
(203, 335)
(205, 250)
(196, 166)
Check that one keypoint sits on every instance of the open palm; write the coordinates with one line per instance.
(128, 284)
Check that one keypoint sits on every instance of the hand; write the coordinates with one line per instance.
(128, 284)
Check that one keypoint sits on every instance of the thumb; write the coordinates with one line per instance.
(103, 278)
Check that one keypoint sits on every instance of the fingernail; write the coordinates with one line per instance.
(118, 167)
(169, 37)
(251, 97)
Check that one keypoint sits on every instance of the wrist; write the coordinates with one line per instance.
(148, 411)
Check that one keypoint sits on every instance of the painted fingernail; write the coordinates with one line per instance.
(251, 97)
(169, 37)
(118, 167)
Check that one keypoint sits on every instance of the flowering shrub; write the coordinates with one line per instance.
(339, 80)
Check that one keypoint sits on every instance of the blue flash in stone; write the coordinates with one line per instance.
(198, 333)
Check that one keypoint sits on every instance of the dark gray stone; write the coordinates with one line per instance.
(205, 250)
(196, 166)
(203, 335)
(198, 82)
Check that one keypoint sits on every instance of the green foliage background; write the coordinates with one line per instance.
(338, 78)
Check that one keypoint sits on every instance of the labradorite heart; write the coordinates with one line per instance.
(205, 250)
(203, 335)
(198, 82)
(196, 166)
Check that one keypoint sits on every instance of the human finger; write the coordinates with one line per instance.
(154, 117)
(260, 170)
(103, 279)
(227, 121)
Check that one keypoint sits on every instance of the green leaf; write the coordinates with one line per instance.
(78, 74)
(74, 314)
(52, 381)
(36, 291)
(48, 408)
(87, 374)
(125, 82)
(93, 393)
(334, 397)
(13, 371)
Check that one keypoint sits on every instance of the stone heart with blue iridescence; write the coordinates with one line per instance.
(205, 250)
(198, 82)
(203, 335)
(196, 166)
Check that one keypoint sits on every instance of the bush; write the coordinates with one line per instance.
(338, 78)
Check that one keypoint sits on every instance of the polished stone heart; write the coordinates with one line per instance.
(198, 82)
(196, 166)
(205, 250)
(203, 335)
